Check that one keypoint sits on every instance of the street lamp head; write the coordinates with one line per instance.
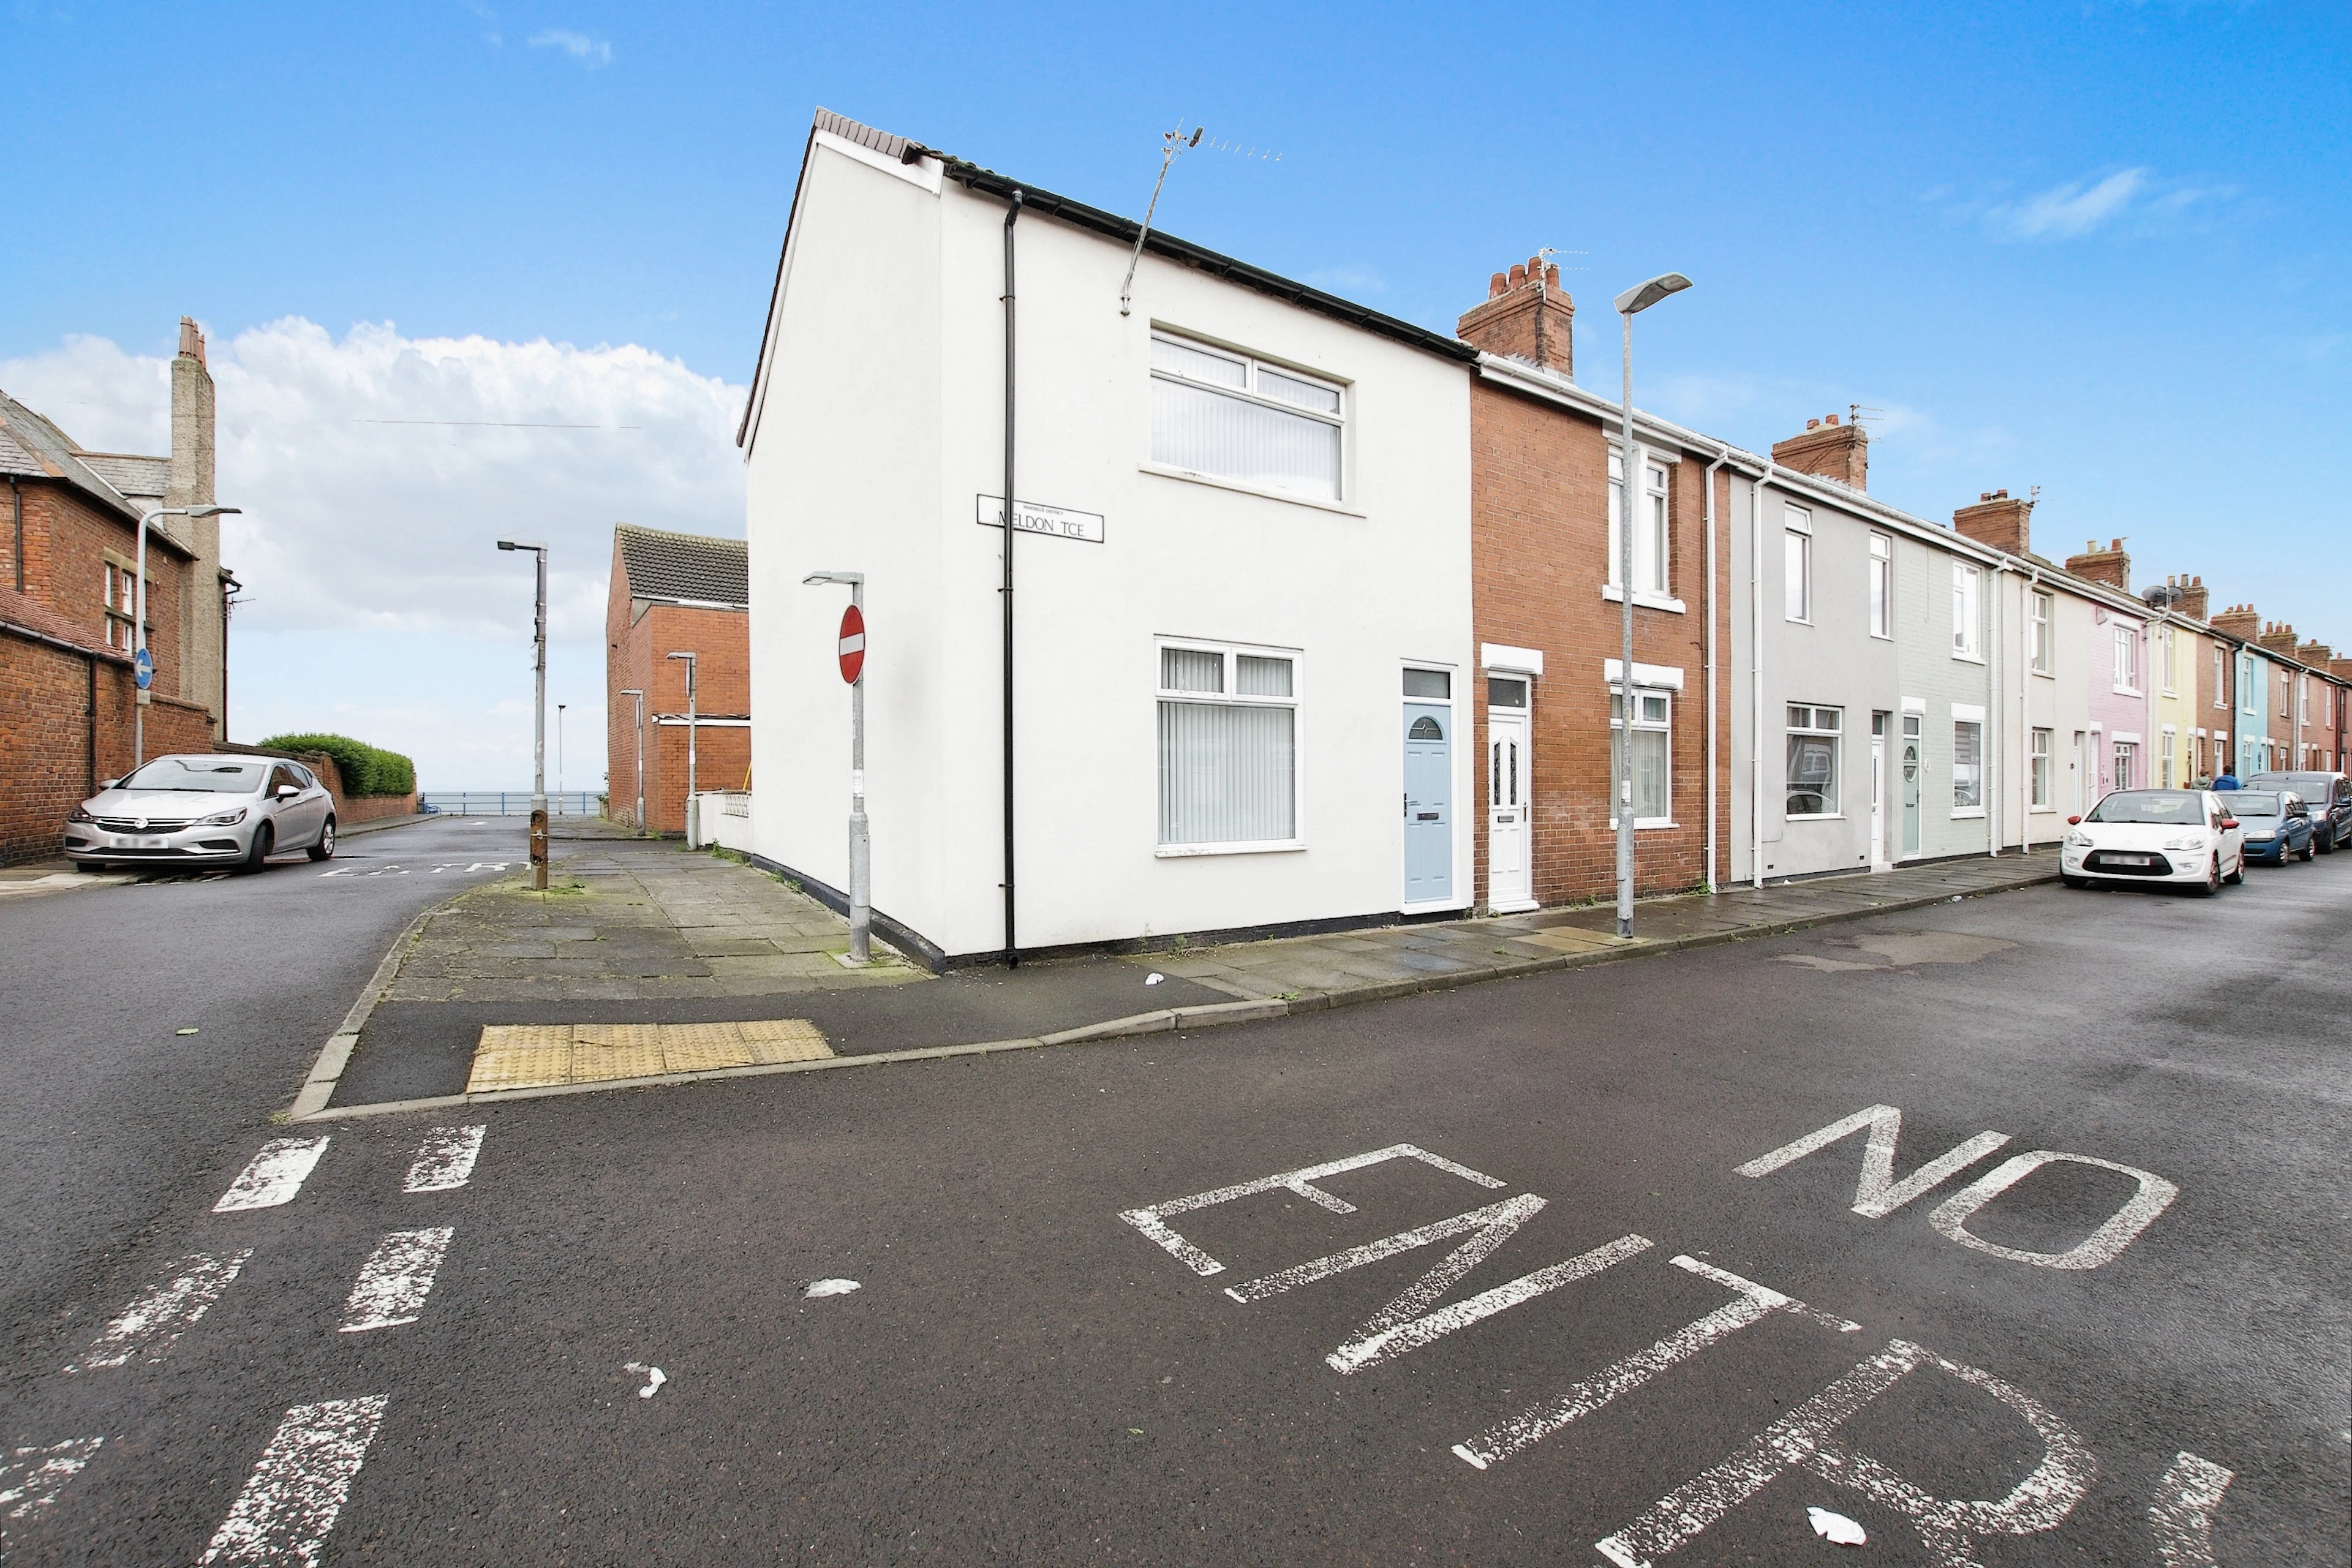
(687, 656)
(818, 579)
(522, 544)
(1642, 296)
(506, 545)
(216, 512)
(632, 691)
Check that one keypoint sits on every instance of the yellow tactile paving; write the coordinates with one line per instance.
(539, 1056)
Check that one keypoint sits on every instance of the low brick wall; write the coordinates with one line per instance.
(350, 809)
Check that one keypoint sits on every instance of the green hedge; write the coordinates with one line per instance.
(366, 770)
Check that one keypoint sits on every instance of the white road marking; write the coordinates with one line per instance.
(476, 866)
(2182, 1514)
(31, 1477)
(1533, 1424)
(446, 1159)
(1370, 1348)
(397, 1277)
(1800, 1439)
(276, 1175)
(1151, 1221)
(655, 1377)
(2104, 1244)
(1877, 1194)
(291, 1500)
(147, 1327)
(369, 871)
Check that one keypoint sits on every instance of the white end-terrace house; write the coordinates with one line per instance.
(1239, 617)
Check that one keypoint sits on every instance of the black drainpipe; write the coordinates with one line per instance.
(16, 504)
(1011, 945)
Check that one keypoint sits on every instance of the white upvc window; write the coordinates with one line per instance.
(1967, 612)
(2285, 682)
(2220, 678)
(1653, 755)
(2126, 755)
(2249, 695)
(2126, 641)
(1813, 736)
(2303, 699)
(1967, 765)
(2041, 770)
(1227, 416)
(1797, 557)
(2167, 747)
(1228, 747)
(2041, 606)
(2164, 651)
(1882, 585)
(1653, 544)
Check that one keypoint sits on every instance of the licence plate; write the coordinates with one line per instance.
(2132, 859)
(150, 842)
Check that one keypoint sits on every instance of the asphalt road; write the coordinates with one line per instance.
(1648, 1355)
(110, 1112)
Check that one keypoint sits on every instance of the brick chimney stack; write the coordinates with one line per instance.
(1998, 519)
(203, 628)
(1830, 450)
(2341, 669)
(2111, 565)
(2279, 637)
(1527, 315)
(2238, 621)
(2317, 654)
(2193, 603)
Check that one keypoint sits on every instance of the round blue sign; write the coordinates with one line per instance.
(144, 668)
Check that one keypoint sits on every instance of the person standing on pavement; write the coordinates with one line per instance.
(2227, 780)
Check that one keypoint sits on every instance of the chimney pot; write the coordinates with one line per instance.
(1518, 274)
(2001, 494)
(1537, 325)
(1551, 274)
(1829, 419)
(1812, 424)
(2118, 544)
(1496, 284)
(1535, 265)
(1984, 495)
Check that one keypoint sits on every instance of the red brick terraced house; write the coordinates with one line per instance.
(69, 547)
(676, 593)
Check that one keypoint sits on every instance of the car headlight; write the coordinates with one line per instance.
(78, 814)
(2186, 841)
(2079, 840)
(2263, 837)
(223, 818)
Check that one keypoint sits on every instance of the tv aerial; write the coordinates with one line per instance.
(1173, 144)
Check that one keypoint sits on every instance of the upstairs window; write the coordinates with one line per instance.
(2164, 652)
(1968, 612)
(2220, 678)
(1652, 545)
(2126, 658)
(1882, 585)
(2042, 606)
(1797, 564)
(1227, 414)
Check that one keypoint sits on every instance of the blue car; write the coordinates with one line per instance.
(2277, 824)
(2329, 797)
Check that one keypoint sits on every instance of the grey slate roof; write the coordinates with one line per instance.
(148, 478)
(33, 448)
(684, 567)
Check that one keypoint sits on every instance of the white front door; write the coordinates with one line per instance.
(1510, 882)
(1878, 796)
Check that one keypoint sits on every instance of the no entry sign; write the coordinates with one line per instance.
(852, 644)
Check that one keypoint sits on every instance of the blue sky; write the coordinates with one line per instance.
(2100, 248)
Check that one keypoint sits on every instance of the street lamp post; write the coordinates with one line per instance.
(139, 614)
(861, 844)
(559, 754)
(640, 696)
(691, 810)
(539, 717)
(1639, 297)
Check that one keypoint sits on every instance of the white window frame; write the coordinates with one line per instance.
(2126, 656)
(1642, 695)
(1797, 564)
(2170, 688)
(1973, 717)
(1248, 394)
(2286, 684)
(1882, 585)
(1295, 702)
(2042, 613)
(1837, 736)
(1653, 543)
(1967, 612)
(2220, 678)
(2038, 763)
(2124, 753)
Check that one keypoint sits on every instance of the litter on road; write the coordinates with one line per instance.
(831, 1287)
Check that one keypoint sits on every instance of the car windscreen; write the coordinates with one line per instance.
(2163, 806)
(2311, 787)
(2253, 802)
(201, 776)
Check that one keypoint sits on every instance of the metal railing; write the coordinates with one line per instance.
(504, 802)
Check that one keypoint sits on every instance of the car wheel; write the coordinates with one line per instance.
(325, 848)
(2213, 882)
(2237, 878)
(2310, 850)
(2073, 881)
(265, 839)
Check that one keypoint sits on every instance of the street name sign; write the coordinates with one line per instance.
(1030, 517)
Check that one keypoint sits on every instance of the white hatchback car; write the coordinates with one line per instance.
(2185, 836)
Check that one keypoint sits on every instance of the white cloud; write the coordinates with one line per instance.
(2071, 209)
(377, 472)
(590, 52)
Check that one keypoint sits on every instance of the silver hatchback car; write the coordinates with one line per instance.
(234, 811)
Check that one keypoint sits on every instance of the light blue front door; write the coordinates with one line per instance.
(1428, 803)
